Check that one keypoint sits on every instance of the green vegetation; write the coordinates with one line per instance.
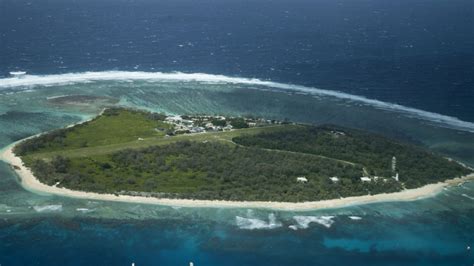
(219, 122)
(211, 170)
(127, 152)
(415, 166)
(239, 123)
(113, 126)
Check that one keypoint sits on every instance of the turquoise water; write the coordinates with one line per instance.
(415, 53)
(54, 230)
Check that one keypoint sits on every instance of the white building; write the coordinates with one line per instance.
(365, 179)
(334, 179)
(187, 122)
(301, 179)
(174, 119)
(196, 130)
(338, 133)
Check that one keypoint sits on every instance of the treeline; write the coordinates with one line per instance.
(210, 170)
(50, 139)
(415, 165)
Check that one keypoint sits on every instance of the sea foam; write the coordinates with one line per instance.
(48, 208)
(254, 223)
(84, 210)
(128, 76)
(303, 222)
(467, 196)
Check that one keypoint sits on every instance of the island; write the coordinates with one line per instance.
(218, 161)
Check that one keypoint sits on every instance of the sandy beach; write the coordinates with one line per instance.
(29, 182)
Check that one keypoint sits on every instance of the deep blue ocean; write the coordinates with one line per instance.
(404, 69)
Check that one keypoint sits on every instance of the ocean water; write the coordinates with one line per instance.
(413, 52)
(55, 230)
(402, 69)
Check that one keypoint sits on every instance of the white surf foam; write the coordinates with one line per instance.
(84, 210)
(127, 76)
(302, 222)
(17, 73)
(467, 196)
(253, 223)
(48, 208)
(293, 227)
(355, 218)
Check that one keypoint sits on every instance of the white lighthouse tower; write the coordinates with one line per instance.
(394, 168)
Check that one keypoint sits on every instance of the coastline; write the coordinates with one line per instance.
(31, 183)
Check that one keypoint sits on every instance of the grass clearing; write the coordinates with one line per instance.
(104, 130)
(223, 136)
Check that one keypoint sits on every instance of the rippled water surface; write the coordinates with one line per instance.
(398, 68)
(55, 230)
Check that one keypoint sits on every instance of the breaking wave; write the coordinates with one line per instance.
(84, 210)
(302, 222)
(127, 76)
(253, 223)
(355, 217)
(467, 196)
(48, 208)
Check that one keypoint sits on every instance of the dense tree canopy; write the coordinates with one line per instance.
(261, 164)
(211, 170)
(415, 165)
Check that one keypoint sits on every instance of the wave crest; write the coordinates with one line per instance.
(253, 223)
(127, 76)
(467, 196)
(48, 208)
(302, 222)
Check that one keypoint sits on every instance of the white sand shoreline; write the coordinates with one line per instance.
(31, 183)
